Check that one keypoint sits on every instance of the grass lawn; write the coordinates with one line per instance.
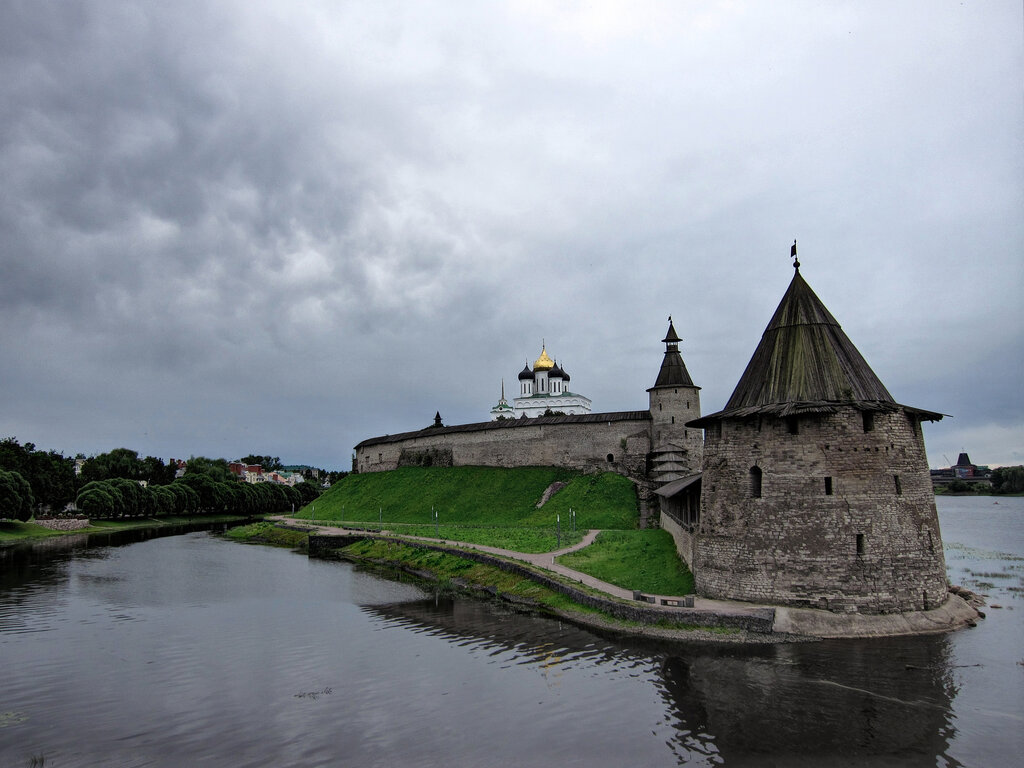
(11, 530)
(474, 503)
(643, 560)
(268, 533)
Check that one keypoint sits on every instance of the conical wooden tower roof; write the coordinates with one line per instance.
(673, 371)
(805, 363)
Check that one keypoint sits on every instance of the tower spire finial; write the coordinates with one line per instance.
(796, 261)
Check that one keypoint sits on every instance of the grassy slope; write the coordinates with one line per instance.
(643, 560)
(480, 496)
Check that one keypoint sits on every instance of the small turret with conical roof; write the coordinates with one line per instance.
(676, 449)
(815, 488)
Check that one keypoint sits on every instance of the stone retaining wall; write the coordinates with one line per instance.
(318, 545)
(62, 523)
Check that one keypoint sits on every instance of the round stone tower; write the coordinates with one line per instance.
(676, 448)
(815, 486)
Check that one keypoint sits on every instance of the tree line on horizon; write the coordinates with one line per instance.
(35, 482)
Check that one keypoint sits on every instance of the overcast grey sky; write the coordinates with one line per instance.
(280, 227)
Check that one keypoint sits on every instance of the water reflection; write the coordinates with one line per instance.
(885, 702)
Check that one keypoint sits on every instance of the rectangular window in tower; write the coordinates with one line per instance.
(860, 544)
(828, 486)
(673, 419)
(899, 485)
(793, 425)
(755, 482)
(869, 420)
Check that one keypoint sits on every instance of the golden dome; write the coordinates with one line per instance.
(544, 363)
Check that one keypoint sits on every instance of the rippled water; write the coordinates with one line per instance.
(192, 649)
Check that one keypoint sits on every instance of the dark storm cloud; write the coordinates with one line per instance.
(282, 229)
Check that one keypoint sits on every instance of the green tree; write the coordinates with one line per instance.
(269, 463)
(155, 472)
(16, 498)
(120, 462)
(96, 503)
(186, 499)
(307, 491)
(214, 496)
(1008, 479)
(164, 500)
(51, 476)
(217, 469)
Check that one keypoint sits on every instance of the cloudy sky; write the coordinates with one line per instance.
(280, 227)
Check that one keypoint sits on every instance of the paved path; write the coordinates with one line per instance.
(546, 561)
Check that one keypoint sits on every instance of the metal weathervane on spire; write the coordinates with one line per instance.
(796, 261)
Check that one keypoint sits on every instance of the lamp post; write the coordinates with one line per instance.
(558, 523)
(436, 534)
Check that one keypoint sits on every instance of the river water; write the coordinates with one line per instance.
(193, 650)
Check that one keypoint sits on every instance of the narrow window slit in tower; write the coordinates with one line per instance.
(828, 486)
(899, 486)
(793, 425)
(869, 420)
(860, 543)
(755, 482)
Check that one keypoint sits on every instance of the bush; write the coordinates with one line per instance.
(16, 498)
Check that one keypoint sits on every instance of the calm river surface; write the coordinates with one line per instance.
(191, 649)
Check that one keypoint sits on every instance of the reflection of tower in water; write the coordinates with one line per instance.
(814, 704)
(886, 701)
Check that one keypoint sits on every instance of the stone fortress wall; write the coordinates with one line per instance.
(616, 442)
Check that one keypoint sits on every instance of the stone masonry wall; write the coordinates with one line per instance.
(871, 546)
(584, 446)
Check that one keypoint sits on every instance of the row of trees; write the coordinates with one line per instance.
(1008, 480)
(50, 476)
(194, 493)
(112, 485)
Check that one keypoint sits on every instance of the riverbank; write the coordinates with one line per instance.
(12, 533)
(538, 583)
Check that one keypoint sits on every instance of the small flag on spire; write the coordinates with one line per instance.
(792, 251)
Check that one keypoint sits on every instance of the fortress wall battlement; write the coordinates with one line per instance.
(583, 445)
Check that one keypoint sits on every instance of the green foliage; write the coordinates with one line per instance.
(1008, 480)
(50, 475)
(488, 496)
(16, 497)
(268, 533)
(643, 560)
(216, 469)
(268, 463)
(308, 491)
(95, 503)
(959, 486)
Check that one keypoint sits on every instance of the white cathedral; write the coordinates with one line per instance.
(543, 389)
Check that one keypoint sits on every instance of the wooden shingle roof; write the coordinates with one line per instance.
(805, 363)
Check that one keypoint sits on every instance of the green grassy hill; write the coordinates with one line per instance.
(480, 496)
